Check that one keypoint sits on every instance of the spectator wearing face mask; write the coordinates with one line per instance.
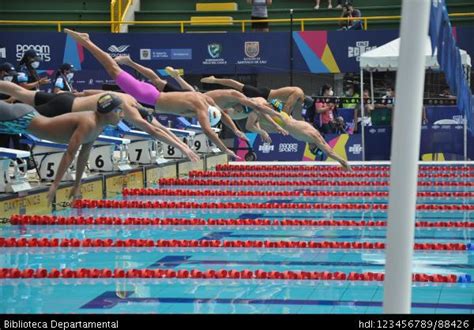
(326, 111)
(28, 76)
(7, 73)
(63, 79)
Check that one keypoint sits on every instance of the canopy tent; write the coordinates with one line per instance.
(386, 57)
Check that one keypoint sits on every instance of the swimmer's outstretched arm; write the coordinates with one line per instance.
(253, 125)
(227, 120)
(324, 146)
(74, 143)
(80, 167)
(146, 72)
(157, 130)
(203, 118)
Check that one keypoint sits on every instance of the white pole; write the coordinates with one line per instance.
(372, 85)
(362, 111)
(404, 157)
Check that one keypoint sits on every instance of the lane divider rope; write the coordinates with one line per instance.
(219, 274)
(81, 220)
(85, 204)
(11, 242)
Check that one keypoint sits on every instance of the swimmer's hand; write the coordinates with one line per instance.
(75, 194)
(266, 137)
(346, 166)
(282, 131)
(189, 153)
(232, 154)
(242, 135)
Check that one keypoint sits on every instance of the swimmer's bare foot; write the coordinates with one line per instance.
(123, 59)
(172, 71)
(78, 36)
(209, 80)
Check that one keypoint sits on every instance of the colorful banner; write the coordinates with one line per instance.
(286, 148)
(207, 53)
(441, 142)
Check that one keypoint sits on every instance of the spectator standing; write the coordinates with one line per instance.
(28, 76)
(348, 12)
(326, 111)
(259, 12)
(339, 4)
(63, 79)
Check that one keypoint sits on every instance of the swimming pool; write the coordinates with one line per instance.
(265, 278)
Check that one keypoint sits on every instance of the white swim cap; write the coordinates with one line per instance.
(214, 115)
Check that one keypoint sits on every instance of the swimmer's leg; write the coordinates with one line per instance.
(224, 82)
(112, 68)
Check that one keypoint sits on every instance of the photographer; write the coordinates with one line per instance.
(348, 12)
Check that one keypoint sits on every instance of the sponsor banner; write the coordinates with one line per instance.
(286, 148)
(9, 207)
(446, 140)
(89, 190)
(435, 139)
(212, 53)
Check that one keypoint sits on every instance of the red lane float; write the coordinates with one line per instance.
(293, 174)
(252, 193)
(356, 168)
(12, 242)
(306, 183)
(85, 204)
(81, 220)
(29, 273)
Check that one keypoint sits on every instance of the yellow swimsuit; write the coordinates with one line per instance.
(278, 106)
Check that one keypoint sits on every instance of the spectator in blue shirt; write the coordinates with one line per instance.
(63, 79)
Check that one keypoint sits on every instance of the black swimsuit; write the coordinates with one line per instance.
(52, 105)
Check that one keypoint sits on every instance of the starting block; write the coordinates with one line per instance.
(187, 137)
(101, 157)
(47, 156)
(143, 148)
(19, 181)
(201, 143)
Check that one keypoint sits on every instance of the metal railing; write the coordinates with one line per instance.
(118, 10)
(117, 20)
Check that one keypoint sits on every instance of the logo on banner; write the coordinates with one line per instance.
(145, 54)
(266, 148)
(356, 149)
(118, 50)
(360, 48)
(215, 52)
(3, 52)
(43, 51)
(252, 48)
(288, 147)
